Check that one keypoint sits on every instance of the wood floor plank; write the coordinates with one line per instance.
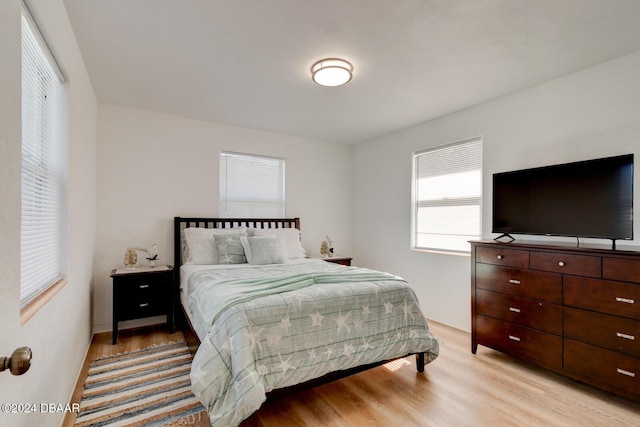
(460, 389)
(457, 389)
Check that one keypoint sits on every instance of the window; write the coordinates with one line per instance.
(447, 197)
(42, 246)
(251, 186)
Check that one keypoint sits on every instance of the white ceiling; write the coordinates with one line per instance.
(247, 62)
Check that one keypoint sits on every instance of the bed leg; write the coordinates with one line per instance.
(420, 362)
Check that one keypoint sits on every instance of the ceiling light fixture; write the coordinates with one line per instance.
(331, 72)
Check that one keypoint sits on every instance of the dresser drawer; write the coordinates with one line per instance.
(557, 262)
(612, 332)
(525, 283)
(541, 315)
(604, 366)
(627, 270)
(502, 256)
(606, 296)
(519, 341)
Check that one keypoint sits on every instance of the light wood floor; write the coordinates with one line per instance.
(457, 389)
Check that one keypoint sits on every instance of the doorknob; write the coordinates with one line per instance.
(18, 363)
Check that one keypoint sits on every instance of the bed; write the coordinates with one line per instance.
(264, 317)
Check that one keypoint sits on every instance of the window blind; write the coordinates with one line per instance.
(43, 176)
(251, 186)
(447, 196)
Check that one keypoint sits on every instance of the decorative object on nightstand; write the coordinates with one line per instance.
(326, 247)
(130, 258)
(142, 292)
(152, 254)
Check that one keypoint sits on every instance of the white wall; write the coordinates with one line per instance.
(59, 333)
(590, 114)
(152, 167)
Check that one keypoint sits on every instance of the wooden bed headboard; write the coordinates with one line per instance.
(180, 224)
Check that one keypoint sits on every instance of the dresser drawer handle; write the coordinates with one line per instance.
(144, 304)
(145, 286)
(500, 256)
(515, 310)
(562, 264)
(627, 373)
(625, 300)
(625, 336)
(514, 338)
(514, 281)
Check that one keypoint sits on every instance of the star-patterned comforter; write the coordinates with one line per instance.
(274, 326)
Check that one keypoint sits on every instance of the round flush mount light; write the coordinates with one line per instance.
(331, 72)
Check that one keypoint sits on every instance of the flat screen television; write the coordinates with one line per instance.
(592, 198)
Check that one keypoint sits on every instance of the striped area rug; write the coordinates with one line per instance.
(149, 387)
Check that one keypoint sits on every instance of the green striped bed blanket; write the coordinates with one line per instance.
(281, 325)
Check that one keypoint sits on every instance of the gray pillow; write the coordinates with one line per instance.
(230, 250)
(261, 250)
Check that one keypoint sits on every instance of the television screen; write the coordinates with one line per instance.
(592, 198)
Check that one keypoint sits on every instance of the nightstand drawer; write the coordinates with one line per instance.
(140, 307)
(143, 287)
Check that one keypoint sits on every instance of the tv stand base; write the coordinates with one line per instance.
(508, 236)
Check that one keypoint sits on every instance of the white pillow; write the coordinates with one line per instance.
(290, 238)
(199, 245)
(261, 250)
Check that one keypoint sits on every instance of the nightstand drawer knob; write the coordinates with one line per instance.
(514, 281)
(562, 264)
(144, 305)
(500, 256)
(145, 286)
(515, 310)
(514, 338)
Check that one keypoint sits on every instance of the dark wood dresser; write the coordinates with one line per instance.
(142, 292)
(575, 311)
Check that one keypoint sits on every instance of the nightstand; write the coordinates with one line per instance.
(342, 260)
(142, 292)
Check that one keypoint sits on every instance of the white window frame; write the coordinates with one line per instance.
(447, 195)
(251, 186)
(44, 173)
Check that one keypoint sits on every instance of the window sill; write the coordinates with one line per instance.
(30, 310)
(442, 252)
